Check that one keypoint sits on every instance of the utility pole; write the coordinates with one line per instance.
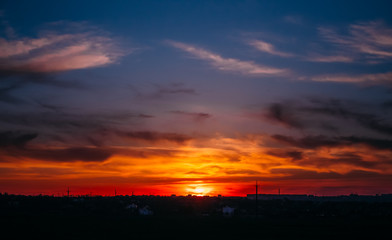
(115, 192)
(68, 192)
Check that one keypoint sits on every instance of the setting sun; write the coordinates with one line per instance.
(199, 190)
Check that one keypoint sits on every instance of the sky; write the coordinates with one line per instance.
(195, 97)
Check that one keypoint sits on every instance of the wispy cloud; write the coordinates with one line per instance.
(53, 52)
(271, 49)
(197, 116)
(268, 48)
(374, 39)
(228, 64)
(375, 78)
(330, 59)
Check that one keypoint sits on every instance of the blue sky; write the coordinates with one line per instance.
(306, 84)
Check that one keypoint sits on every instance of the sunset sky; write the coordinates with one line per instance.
(195, 97)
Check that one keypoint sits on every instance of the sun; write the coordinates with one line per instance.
(198, 190)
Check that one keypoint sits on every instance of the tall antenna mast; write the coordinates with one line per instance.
(68, 192)
(115, 192)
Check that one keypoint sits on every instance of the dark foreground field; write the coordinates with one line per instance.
(119, 227)
(191, 218)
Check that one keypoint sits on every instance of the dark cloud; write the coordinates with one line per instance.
(141, 115)
(50, 107)
(83, 153)
(383, 144)
(12, 81)
(333, 107)
(177, 91)
(22, 79)
(314, 142)
(308, 142)
(312, 113)
(350, 158)
(72, 154)
(294, 155)
(344, 157)
(6, 94)
(375, 123)
(387, 104)
(284, 114)
(339, 159)
(197, 116)
(340, 109)
(160, 91)
(57, 120)
(146, 153)
(152, 136)
(92, 129)
(15, 139)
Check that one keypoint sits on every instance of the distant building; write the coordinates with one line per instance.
(228, 211)
(145, 211)
(131, 206)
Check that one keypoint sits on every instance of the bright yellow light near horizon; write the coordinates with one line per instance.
(198, 190)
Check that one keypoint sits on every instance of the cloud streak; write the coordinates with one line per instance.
(330, 59)
(197, 116)
(73, 154)
(283, 114)
(320, 141)
(228, 64)
(268, 48)
(15, 139)
(152, 136)
(376, 78)
(53, 52)
(373, 39)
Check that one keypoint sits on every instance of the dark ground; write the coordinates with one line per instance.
(44, 217)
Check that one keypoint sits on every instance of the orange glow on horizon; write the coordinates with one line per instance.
(199, 190)
(218, 166)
